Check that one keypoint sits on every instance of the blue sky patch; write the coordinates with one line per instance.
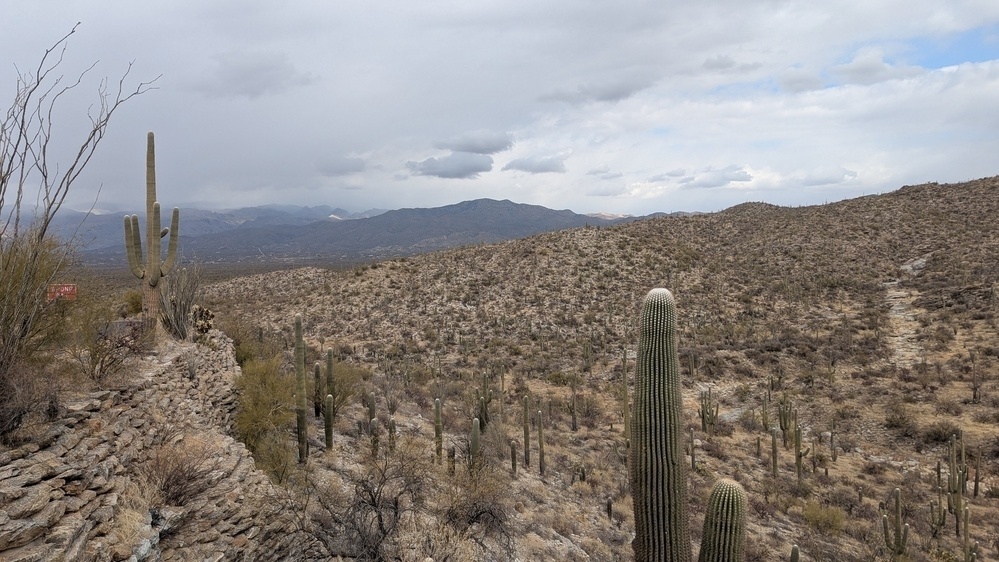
(975, 45)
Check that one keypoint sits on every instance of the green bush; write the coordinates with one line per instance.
(266, 408)
(824, 519)
(133, 302)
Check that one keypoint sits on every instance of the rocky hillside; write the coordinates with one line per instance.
(873, 320)
(874, 317)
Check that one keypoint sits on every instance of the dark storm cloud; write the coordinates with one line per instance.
(479, 142)
(457, 165)
(538, 165)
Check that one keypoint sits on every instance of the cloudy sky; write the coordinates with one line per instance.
(619, 107)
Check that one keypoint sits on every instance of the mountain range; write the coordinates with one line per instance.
(325, 234)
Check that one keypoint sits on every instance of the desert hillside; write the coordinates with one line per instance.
(873, 318)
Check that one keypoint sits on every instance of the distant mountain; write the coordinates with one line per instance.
(277, 233)
(101, 232)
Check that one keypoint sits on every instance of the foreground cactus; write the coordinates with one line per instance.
(658, 475)
(724, 523)
(154, 269)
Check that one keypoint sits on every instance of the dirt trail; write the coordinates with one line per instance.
(902, 326)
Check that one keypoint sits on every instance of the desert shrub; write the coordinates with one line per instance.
(249, 341)
(266, 407)
(950, 407)
(178, 292)
(32, 190)
(99, 345)
(133, 302)
(474, 503)
(897, 417)
(824, 519)
(29, 323)
(364, 518)
(180, 470)
(23, 392)
(940, 431)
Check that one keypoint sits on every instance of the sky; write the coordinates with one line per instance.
(626, 107)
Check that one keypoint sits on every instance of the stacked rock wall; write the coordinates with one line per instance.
(79, 490)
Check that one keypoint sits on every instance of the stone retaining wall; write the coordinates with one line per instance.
(76, 492)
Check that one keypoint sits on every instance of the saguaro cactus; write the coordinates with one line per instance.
(300, 388)
(724, 523)
(527, 433)
(328, 421)
(154, 269)
(896, 533)
(658, 477)
(438, 429)
(541, 444)
(474, 444)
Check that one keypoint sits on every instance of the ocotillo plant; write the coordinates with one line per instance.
(154, 269)
(659, 481)
(303, 436)
(724, 523)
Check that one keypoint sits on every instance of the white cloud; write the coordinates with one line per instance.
(538, 164)
(869, 67)
(332, 103)
(480, 142)
(716, 178)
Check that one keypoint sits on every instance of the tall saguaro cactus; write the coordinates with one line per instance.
(300, 389)
(658, 477)
(153, 269)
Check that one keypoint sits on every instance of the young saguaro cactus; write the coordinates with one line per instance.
(153, 269)
(724, 524)
(658, 477)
